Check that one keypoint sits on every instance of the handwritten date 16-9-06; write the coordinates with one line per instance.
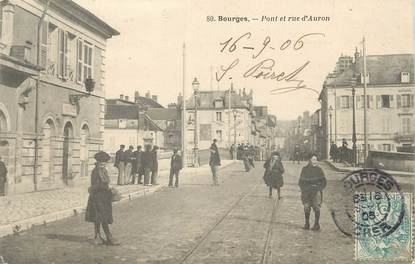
(266, 69)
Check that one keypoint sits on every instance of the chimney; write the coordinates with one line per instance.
(179, 99)
(148, 94)
(244, 92)
(126, 98)
(121, 96)
(154, 97)
(172, 106)
(136, 96)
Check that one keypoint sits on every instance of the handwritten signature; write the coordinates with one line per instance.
(265, 69)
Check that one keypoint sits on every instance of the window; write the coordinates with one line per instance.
(345, 102)
(44, 44)
(219, 135)
(406, 125)
(62, 53)
(87, 61)
(386, 147)
(405, 100)
(171, 123)
(219, 116)
(405, 77)
(83, 61)
(385, 101)
(218, 103)
(360, 102)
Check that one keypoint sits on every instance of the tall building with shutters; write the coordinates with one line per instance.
(390, 103)
(50, 125)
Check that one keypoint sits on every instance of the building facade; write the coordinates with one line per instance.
(390, 103)
(221, 115)
(50, 126)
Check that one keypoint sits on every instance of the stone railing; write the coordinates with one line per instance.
(399, 161)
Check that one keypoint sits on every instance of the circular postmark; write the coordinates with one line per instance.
(372, 205)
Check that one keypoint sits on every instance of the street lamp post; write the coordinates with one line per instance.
(195, 85)
(234, 134)
(353, 84)
(330, 116)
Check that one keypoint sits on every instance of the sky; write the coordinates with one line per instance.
(148, 54)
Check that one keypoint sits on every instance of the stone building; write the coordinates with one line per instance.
(390, 103)
(216, 120)
(50, 126)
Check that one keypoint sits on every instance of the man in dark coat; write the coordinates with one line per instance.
(137, 167)
(214, 162)
(120, 165)
(129, 160)
(154, 165)
(312, 182)
(146, 162)
(333, 151)
(175, 167)
(3, 177)
(273, 173)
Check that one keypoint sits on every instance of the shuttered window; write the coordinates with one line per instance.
(84, 61)
(44, 44)
(62, 54)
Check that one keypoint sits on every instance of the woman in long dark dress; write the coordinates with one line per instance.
(273, 173)
(99, 208)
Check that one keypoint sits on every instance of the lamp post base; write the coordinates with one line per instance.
(196, 158)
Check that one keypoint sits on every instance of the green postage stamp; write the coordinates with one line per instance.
(384, 226)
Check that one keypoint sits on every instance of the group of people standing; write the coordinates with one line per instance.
(342, 153)
(137, 164)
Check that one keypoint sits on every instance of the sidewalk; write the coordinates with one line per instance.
(22, 211)
(401, 176)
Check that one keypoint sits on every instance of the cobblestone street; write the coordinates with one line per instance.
(199, 223)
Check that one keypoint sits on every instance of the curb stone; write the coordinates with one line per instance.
(20, 226)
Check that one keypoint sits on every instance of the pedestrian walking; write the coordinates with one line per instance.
(3, 177)
(120, 165)
(99, 207)
(312, 182)
(146, 162)
(245, 159)
(214, 162)
(176, 165)
(232, 151)
(273, 173)
(128, 156)
(154, 165)
(138, 167)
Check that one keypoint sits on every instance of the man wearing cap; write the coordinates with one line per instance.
(312, 182)
(128, 164)
(214, 162)
(120, 164)
(146, 163)
(175, 167)
(138, 168)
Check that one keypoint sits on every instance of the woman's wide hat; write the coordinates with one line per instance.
(102, 156)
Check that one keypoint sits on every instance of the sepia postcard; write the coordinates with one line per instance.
(190, 131)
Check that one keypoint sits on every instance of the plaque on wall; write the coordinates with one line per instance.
(69, 110)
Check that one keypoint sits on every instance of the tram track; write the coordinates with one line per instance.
(194, 249)
(266, 252)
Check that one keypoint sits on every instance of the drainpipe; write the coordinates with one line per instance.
(35, 163)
